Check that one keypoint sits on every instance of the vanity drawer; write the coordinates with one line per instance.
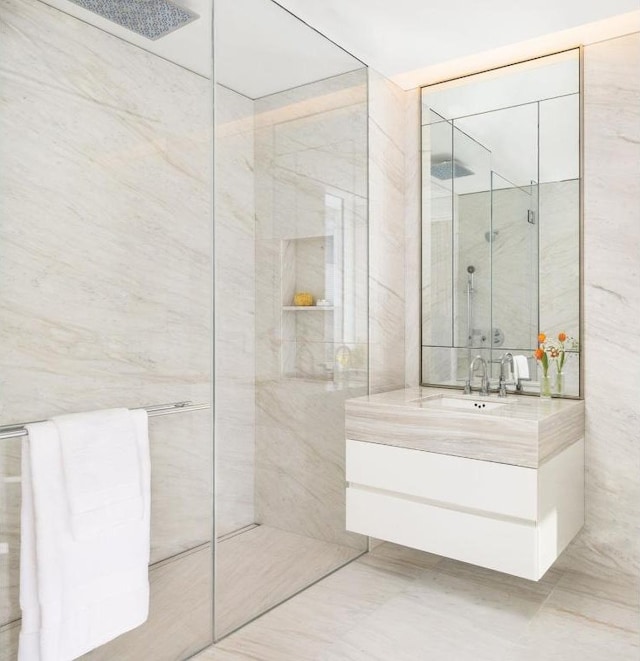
(506, 546)
(471, 484)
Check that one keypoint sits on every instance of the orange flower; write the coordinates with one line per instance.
(539, 353)
(562, 337)
(541, 338)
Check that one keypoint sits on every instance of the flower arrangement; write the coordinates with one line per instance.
(553, 350)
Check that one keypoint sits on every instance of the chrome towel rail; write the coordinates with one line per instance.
(18, 429)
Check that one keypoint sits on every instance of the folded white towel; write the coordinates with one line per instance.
(78, 592)
(520, 368)
(101, 464)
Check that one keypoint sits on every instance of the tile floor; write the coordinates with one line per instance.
(262, 566)
(396, 604)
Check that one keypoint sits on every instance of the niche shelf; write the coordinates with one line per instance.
(308, 265)
(304, 308)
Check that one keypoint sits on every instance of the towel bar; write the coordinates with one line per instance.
(14, 431)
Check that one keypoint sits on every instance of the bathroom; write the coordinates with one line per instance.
(166, 197)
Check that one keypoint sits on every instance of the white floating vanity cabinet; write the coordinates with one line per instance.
(436, 479)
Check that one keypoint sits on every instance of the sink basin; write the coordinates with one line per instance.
(460, 404)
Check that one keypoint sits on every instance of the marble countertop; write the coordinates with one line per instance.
(527, 431)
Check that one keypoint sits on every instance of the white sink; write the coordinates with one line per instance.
(460, 404)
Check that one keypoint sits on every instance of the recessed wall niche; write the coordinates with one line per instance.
(308, 331)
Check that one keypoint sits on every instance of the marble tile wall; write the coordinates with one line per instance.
(413, 237)
(105, 276)
(235, 311)
(387, 177)
(310, 160)
(611, 537)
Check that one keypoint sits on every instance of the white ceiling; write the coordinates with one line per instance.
(267, 48)
(262, 49)
(398, 36)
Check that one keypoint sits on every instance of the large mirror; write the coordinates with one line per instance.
(501, 225)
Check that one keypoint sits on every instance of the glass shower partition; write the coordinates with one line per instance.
(290, 224)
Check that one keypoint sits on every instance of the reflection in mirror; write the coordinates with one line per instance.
(501, 222)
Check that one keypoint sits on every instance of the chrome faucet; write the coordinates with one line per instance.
(502, 387)
(484, 379)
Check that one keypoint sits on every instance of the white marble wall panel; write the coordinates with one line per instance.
(300, 459)
(611, 538)
(105, 181)
(387, 108)
(412, 240)
(235, 311)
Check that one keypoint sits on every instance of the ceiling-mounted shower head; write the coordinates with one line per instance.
(446, 169)
(149, 18)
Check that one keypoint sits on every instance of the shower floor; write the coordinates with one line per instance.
(262, 566)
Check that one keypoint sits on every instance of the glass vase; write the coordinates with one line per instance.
(560, 383)
(545, 386)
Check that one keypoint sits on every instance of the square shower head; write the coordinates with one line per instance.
(149, 18)
(446, 169)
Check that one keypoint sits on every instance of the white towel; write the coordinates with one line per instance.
(520, 368)
(83, 571)
(101, 464)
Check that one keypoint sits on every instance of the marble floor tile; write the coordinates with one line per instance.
(397, 604)
(445, 615)
(395, 558)
(609, 585)
(403, 632)
(263, 566)
(535, 590)
(312, 621)
(573, 625)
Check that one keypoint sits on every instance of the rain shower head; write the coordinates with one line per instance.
(149, 18)
(447, 169)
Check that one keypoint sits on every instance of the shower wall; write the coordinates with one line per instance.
(311, 235)
(105, 286)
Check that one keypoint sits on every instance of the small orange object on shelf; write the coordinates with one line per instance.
(303, 298)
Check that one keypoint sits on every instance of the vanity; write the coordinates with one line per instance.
(495, 482)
